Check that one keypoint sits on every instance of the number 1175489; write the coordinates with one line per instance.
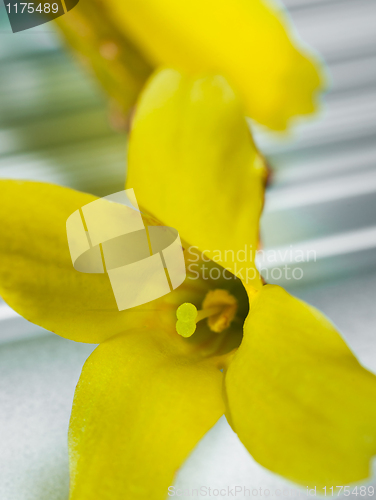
(347, 490)
(30, 8)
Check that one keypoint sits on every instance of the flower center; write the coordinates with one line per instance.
(219, 307)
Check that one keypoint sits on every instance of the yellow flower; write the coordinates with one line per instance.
(249, 42)
(290, 387)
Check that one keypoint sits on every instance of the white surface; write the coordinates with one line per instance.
(37, 382)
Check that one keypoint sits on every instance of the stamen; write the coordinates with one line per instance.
(219, 307)
(228, 305)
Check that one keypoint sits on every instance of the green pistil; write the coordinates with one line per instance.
(186, 315)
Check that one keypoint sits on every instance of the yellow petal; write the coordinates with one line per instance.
(117, 63)
(193, 165)
(298, 399)
(140, 408)
(37, 277)
(249, 42)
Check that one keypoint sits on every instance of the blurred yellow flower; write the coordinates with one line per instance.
(290, 387)
(249, 42)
